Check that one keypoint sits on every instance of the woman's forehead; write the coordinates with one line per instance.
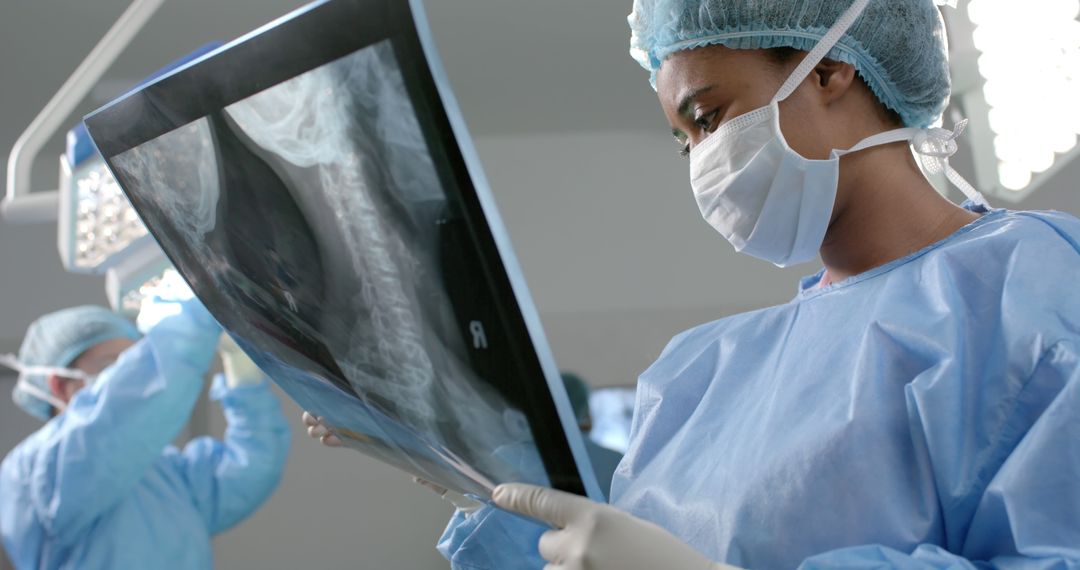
(714, 69)
(688, 69)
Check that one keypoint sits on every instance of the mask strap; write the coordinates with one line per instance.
(828, 41)
(12, 362)
(887, 137)
(934, 147)
(40, 394)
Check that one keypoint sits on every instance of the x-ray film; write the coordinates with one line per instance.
(314, 185)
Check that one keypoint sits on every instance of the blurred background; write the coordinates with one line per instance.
(590, 186)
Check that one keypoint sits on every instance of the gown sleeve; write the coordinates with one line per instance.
(491, 539)
(230, 479)
(113, 431)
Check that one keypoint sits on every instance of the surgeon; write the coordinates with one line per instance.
(916, 405)
(100, 485)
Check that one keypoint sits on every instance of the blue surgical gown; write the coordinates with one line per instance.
(924, 414)
(100, 485)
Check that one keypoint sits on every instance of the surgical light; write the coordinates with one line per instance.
(98, 228)
(96, 222)
(1023, 105)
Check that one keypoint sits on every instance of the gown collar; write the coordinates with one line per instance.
(808, 286)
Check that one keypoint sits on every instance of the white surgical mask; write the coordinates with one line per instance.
(774, 204)
(24, 370)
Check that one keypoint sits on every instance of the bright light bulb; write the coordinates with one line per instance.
(1008, 148)
(1063, 141)
(1014, 176)
(1035, 118)
(105, 223)
(1039, 161)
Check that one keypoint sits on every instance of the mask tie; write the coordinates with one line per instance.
(827, 42)
(934, 147)
(10, 361)
(24, 370)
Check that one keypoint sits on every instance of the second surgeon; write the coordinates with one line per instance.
(100, 485)
(915, 406)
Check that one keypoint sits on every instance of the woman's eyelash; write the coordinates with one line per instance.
(705, 121)
(684, 143)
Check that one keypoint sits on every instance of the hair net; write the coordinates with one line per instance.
(898, 47)
(57, 339)
(578, 391)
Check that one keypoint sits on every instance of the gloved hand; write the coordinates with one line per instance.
(178, 326)
(239, 369)
(316, 429)
(593, 536)
(169, 298)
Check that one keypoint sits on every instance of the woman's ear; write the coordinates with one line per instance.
(834, 78)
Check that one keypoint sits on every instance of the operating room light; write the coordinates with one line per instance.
(1029, 57)
(97, 226)
(105, 222)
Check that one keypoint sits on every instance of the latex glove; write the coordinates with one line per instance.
(169, 298)
(239, 369)
(316, 429)
(592, 536)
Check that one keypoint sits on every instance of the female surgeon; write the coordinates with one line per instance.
(916, 405)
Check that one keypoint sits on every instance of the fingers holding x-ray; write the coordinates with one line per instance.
(316, 429)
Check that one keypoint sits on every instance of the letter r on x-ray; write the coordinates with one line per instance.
(479, 338)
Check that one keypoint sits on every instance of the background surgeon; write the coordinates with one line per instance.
(916, 405)
(100, 485)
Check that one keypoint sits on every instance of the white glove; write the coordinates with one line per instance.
(239, 369)
(166, 299)
(316, 429)
(593, 536)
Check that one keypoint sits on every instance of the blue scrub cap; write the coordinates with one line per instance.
(57, 339)
(898, 47)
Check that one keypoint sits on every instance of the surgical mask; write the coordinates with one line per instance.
(774, 204)
(26, 370)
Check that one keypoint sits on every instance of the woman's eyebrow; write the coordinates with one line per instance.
(688, 99)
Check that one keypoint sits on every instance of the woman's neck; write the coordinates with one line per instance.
(885, 209)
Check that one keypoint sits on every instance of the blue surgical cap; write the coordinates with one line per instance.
(898, 47)
(57, 339)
